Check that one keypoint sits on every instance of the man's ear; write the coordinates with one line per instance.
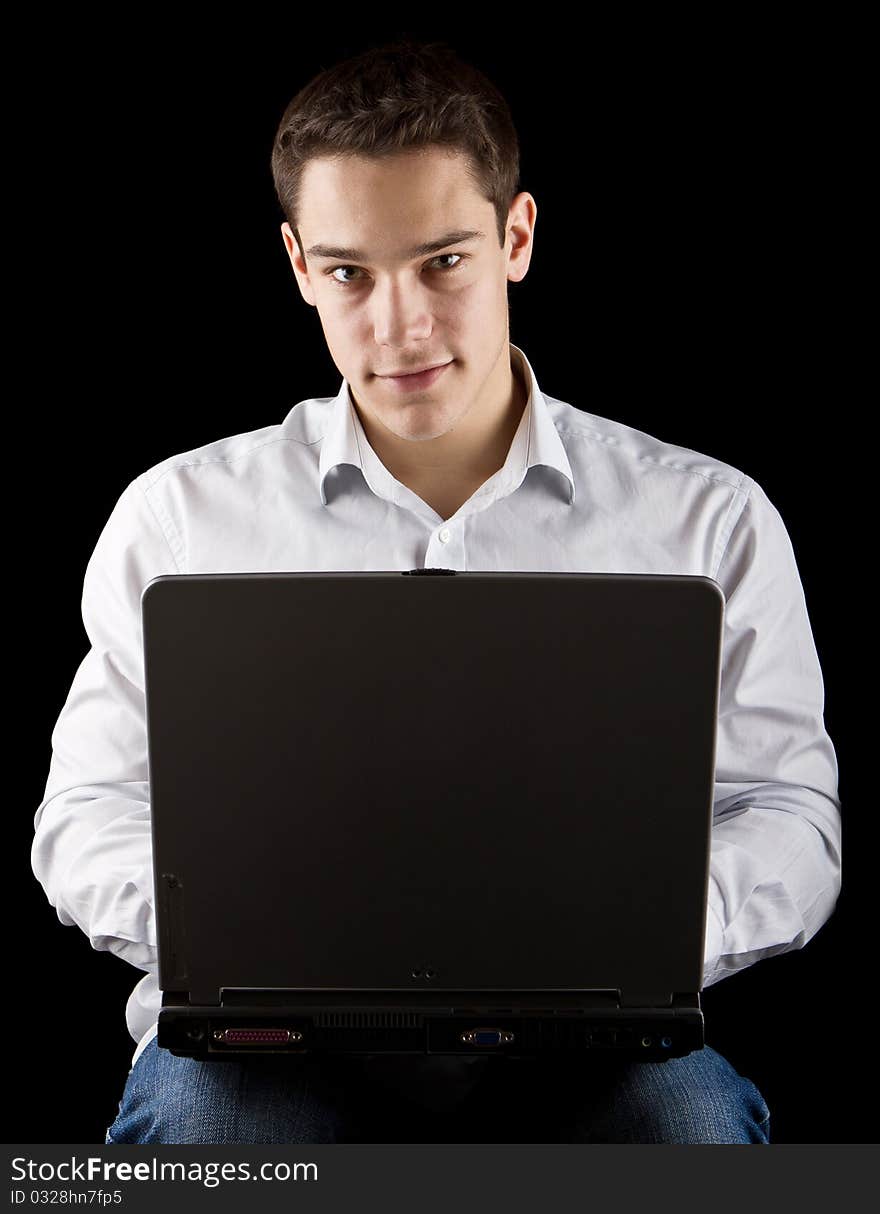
(521, 230)
(300, 269)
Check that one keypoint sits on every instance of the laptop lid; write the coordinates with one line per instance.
(369, 781)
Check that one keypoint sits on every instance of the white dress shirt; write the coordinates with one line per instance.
(577, 492)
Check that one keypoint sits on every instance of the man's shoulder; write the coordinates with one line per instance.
(590, 434)
(302, 426)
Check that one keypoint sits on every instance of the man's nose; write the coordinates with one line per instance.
(401, 314)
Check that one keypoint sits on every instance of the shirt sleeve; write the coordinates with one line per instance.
(775, 850)
(92, 847)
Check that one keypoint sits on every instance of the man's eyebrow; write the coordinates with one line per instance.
(430, 246)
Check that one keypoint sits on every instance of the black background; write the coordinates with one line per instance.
(693, 187)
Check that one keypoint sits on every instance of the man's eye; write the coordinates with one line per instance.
(345, 282)
(340, 282)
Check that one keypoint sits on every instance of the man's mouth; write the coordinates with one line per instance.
(416, 381)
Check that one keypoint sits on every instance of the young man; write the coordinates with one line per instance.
(397, 175)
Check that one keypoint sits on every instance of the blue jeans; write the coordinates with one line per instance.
(358, 1098)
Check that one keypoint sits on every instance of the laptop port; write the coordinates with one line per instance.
(255, 1036)
(486, 1037)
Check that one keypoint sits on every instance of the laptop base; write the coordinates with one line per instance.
(518, 1024)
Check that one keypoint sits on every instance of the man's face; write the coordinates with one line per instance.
(384, 307)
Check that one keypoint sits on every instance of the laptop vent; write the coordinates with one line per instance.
(368, 1020)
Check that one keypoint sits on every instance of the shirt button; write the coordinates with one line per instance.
(444, 536)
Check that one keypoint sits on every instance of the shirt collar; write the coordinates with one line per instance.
(536, 442)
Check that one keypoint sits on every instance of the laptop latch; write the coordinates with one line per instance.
(641, 999)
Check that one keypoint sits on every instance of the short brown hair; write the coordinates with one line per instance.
(388, 99)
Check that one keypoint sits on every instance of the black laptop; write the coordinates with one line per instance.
(431, 812)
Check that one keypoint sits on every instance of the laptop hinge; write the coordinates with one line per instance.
(640, 999)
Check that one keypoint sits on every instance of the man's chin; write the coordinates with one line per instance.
(418, 429)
